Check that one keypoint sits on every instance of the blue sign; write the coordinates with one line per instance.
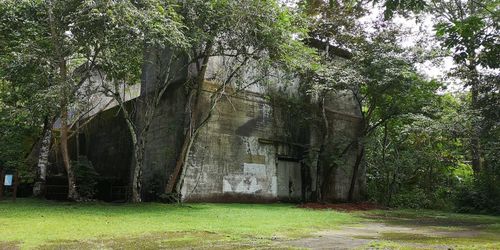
(8, 180)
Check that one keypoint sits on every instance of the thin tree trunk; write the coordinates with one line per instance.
(384, 165)
(392, 186)
(355, 171)
(175, 179)
(137, 173)
(143, 123)
(321, 165)
(43, 160)
(72, 191)
(476, 129)
(61, 61)
(138, 145)
(313, 160)
(190, 133)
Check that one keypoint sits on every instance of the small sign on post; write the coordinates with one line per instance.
(2, 174)
(9, 181)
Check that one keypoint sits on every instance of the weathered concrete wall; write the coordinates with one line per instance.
(105, 140)
(227, 161)
(254, 149)
(164, 141)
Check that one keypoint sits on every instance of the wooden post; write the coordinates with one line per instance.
(2, 179)
(15, 184)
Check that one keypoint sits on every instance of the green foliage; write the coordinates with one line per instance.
(107, 36)
(464, 131)
(392, 7)
(381, 75)
(416, 160)
(18, 131)
(418, 143)
(50, 49)
(25, 83)
(480, 195)
(425, 162)
(119, 31)
(266, 31)
(470, 30)
(17, 138)
(86, 177)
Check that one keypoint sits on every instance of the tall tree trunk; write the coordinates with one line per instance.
(193, 129)
(388, 192)
(57, 41)
(72, 191)
(476, 126)
(392, 185)
(139, 149)
(138, 144)
(43, 160)
(312, 163)
(359, 158)
(173, 184)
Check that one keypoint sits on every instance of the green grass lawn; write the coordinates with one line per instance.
(33, 223)
(30, 223)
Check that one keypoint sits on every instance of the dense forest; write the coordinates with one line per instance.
(428, 140)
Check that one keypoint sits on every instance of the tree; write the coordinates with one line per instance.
(64, 43)
(27, 89)
(18, 132)
(131, 36)
(383, 79)
(246, 34)
(470, 30)
(420, 159)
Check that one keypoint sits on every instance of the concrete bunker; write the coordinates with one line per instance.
(254, 148)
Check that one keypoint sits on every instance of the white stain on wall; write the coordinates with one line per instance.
(254, 169)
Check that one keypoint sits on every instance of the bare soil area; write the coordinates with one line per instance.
(361, 206)
(387, 236)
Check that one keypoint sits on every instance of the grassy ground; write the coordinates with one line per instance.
(47, 225)
(34, 223)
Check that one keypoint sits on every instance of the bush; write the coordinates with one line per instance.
(482, 195)
(86, 177)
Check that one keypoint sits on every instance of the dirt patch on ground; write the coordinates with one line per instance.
(364, 235)
(9, 245)
(424, 221)
(362, 206)
(347, 237)
(161, 240)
